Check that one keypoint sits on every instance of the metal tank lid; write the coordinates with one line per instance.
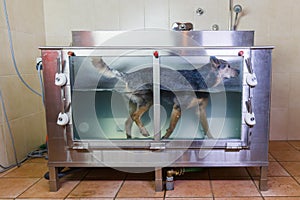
(163, 38)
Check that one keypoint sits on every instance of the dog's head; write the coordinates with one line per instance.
(222, 70)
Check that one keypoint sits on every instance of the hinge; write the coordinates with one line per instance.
(158, 146)
(80, 146)
(234, 146)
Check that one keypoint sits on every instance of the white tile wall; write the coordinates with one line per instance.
(157, 14)
(108, 10)
(24, 109)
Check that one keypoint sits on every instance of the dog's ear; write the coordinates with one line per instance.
(214, 61)
(99, 64)
(96, 61)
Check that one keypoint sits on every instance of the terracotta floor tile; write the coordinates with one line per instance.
(98, 198)
(282, 186)
(53, 198)
(234, 188)
(292, 167)
(271, 158)
(139, 198)
(29, 170)
(274, 169)
(297, 179)
(295, 144)
(240, 198)
(280, 145)
(139, 189)
(96, 188)
(293, 156)
(187, 198)
(13, 187)
(282, 198)
(41, 190)
(7, 171)
(190, 188)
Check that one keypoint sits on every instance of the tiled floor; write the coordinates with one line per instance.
(27, 182)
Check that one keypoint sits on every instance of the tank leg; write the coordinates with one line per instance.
(158, 180)
(53, 179)
(263, 182)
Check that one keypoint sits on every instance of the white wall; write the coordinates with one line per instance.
(275, 22)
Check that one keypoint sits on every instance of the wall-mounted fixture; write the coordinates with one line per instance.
(179, 26)
(199, 11)
(215, 27)
(236, 9)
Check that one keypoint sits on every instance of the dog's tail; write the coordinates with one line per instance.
(105, 70)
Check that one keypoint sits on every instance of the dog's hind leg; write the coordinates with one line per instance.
(175, 116)
(203, 118)
(136, 117)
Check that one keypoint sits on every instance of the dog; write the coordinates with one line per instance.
(184, 88)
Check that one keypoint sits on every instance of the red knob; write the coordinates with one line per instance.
(241, 53)
(155, 54)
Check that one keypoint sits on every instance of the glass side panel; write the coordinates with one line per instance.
(201, 97)
(105, 92)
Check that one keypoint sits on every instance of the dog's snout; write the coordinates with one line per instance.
(237, 71)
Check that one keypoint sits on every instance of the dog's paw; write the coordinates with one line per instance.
(208, 136)
(128, 136)
(165, 137)
(144, 132)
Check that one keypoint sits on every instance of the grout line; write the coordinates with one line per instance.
(253, 181)
(38, 180)
(210, 183)
(125, 177)
(79, 181)
(292, 144)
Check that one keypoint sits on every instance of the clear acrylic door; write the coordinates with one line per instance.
(103, 100)
(201, 97)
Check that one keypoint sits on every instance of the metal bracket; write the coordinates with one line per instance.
(158, 146)
(80, 146)
(234, 146)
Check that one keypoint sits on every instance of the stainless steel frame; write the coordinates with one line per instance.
(249, 151)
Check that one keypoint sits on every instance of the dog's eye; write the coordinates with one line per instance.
(229, 66)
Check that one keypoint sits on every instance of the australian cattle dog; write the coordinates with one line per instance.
(188, 87)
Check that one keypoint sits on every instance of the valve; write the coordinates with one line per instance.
(251, 78)
(60, 79)
(250, 117)
(62, 119)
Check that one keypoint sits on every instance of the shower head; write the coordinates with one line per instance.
(237, 8)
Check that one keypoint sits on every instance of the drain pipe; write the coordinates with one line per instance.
(230, 16)
(177, 172)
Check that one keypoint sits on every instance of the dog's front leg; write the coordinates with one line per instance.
(203, 118)
(129, 121)
(175, 116)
